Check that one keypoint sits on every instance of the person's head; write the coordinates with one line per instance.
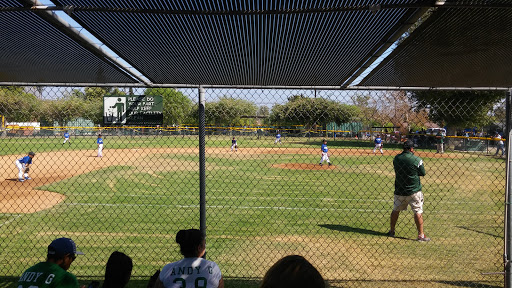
(324, 141)
(118, 270)
(408, 145)
(62, 251)
(99, 135)
(192, 243)
(292, 271)
(31, 154)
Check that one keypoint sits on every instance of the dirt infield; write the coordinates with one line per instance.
(49, 167)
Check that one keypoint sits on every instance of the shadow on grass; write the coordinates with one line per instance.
(343, 228)
(478, 231)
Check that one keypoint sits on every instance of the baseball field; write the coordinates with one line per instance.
(263, 202)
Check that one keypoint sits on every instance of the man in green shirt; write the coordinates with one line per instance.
(52, 273)
(408, 169)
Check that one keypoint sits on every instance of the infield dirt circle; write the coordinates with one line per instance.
(50, 167)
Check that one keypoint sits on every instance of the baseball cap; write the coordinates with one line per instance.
(408, 144)
(31, 153)
(63, 246)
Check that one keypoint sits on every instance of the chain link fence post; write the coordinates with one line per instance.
(202, 176)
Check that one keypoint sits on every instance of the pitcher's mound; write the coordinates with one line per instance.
(304, 166)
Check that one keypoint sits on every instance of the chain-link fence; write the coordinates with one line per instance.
(267, 196)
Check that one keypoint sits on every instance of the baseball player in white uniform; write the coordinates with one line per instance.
(99, 141)
(234, 144)
(278, 138)
(22, 165)
(325, 153)
(378, 144)
(66, 138)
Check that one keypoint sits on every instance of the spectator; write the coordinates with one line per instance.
(192, 270)
(118, 270)
(440, 142)
(53, 273)
(499, 144)
(408, 169)
(293, 271)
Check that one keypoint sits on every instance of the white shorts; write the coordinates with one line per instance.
(415, 201)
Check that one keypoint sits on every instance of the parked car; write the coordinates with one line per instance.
(434, 131)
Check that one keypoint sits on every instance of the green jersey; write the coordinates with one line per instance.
(408, 169)
(440, 138)
(47, 275)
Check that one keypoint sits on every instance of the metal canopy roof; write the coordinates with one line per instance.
(259, 43)
(34, 50)
(237, 43)
(455, 47)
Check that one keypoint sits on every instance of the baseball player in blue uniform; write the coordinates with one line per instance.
(22, 165)
(325, 154)
(278, 138)
(66, 138)
(234, 144)
(99, 141)
(378, 144)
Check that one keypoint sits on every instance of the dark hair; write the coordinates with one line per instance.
(408, 145)
(189, 241)
(293, 271)
(118, 270)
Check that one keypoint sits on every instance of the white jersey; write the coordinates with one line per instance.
(191, 272)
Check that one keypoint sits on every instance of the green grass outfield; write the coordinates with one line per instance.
(258, 212)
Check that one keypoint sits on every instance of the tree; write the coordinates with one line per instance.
(97, 93)
(229, 111)
(367, 106)
(263, 111)
(300, 110)
(93, 101)
(395, 109)
(177, 107)
(94, 111)
(62, 110)
(457, 109)
(18, 106)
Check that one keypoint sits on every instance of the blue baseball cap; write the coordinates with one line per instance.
(63, 246)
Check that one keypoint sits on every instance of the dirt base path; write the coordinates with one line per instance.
(49, 167)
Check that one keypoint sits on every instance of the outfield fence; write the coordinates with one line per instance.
(266, 198)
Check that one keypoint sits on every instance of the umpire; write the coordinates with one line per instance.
(408, 169)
